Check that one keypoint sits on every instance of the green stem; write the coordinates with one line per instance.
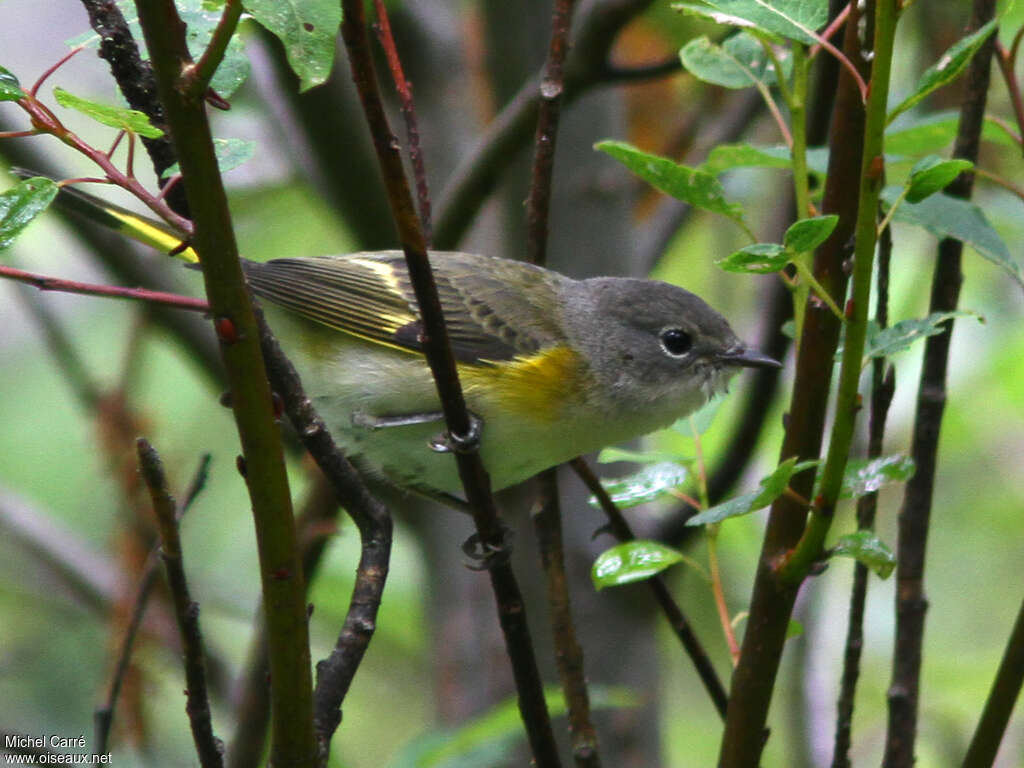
(811, 282)
(197, 77)
(293, 742)
(801, 188)
(810, 546)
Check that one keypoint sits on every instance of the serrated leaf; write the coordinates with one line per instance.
(693, 186)
(760, 258)
(949, 66)
(230, 153)
(632, 561)
(864, 476)
(946, 216)
(934, 132)
(122, 118)
(772, 487)
(793, 19)
(807, 234)
(865, 547)
(22, 203)
(739, 62)
(10, 88)
(650, 483)
(932, 174)
(896, 338)
(307, 28)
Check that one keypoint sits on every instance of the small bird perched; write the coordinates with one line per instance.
(551, 367)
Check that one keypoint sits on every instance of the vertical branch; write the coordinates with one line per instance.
(548, 518)
(186, 611)
(883, 386)
(772, 600)
(1000, 702)
(462, 433)
(915, 515)
(292, 742)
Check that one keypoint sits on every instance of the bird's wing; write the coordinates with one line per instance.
(495, 309)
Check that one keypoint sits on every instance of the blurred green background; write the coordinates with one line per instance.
(56, 649)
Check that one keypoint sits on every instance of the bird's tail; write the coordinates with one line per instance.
(151, 232)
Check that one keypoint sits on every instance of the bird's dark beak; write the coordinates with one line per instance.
(748, 358)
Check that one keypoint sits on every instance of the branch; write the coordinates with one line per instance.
(186, 611)
(442, 364)
(620, 529)
(292, 740)
(772, 601)
(914, 517)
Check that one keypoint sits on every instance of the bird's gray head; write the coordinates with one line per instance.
(651, 345)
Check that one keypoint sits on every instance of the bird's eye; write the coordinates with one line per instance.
(676, 341)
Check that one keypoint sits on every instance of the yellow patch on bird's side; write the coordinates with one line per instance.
(152, 234)
(382, 269)
(538, 386)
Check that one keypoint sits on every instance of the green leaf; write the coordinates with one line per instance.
(949, 67)
(651, 482)
(896, 338)
(122, 118)
(10, 88)
(22, 203)
(230, 153)
(793, 19)
(934, 132)
(739, 62)
(760, 258)
(794, 629)
(613, 453)
(489, 738)
(865, 547)
(807, 234)
(632, 561)
(307, 28)
(693, 186)
(864, 476)
(696, 424)
(725, 157)
(946, 216)
(932, 174)
(772, 487)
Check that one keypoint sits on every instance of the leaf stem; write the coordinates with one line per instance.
(819, 290)
(196, 77)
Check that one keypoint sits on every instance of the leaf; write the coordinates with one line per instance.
(613, 453)
(772, 487)
(760, 258)
(864, 476)
(793, 19)
(896, 338)
(307, 28)
(696, 424)
(807, 234)
(934, 132)
(648, 484)
(739, 62)
(946, 216)
(230, 153)
(949, 67)
(122, 118)
(632, 561)
(10, 88)
(22, 203)
(725, 157)
(865, 547)
(201, 18)
(932, 174)
(698, 188)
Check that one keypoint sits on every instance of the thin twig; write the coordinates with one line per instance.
(47, 283)
(915, 516)
(412, 130)
(1006, 61)
(186, 611)
(620, 529)
(197, 77)
(490, 531)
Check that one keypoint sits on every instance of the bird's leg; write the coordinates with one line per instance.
(449, 442)
(369, 421)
